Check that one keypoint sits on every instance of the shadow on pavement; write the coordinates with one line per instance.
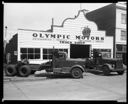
(97, 72)
(54, 76)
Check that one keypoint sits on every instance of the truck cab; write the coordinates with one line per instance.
(107, 65)
(61, 64)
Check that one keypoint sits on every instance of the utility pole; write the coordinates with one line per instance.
(5, 41)
(5, 36)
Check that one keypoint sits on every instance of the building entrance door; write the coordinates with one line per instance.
(79, 51)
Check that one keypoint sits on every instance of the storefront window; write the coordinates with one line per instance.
(30, 56)
(47, 53)
(37, 56)
(30, 53)
(118, 55)
(106, 53)
(119, 47)
(30, 50)
(23, 50)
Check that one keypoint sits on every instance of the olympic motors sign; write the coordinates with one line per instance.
(86, 36)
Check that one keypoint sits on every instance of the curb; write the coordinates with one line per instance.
(29, 78)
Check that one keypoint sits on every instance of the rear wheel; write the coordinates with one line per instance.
(120, 72)
(10, 70)
(76, 73)
(24, 71)
(106, 70)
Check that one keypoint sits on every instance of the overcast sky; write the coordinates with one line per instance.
(38, 16)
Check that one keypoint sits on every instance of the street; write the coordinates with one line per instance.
(93, 86)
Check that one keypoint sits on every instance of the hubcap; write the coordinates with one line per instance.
(76, 73)
(24, 71)
(10, 70)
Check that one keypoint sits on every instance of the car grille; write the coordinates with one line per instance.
(119, 64)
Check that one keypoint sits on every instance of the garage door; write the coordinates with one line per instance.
(79, 51)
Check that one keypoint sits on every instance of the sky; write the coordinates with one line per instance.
(38, 16)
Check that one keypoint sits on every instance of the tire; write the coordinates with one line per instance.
(24, 71)
(33, 71)
(120, 72)
(10, 70)
(106, 70)
(76, 73)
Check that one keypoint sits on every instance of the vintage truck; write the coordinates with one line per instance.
(60, 64)
(63, 65)
(104, 64)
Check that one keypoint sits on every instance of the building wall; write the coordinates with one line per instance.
(11, 48)
(104, 18)
(120, 26)
(26, 40)
(108, 18)
(67, 33)
(121, 42)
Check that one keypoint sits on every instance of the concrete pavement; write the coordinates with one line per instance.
(91, 87)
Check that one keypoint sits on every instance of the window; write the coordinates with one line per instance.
(47, 53)
(123, 18)
(124, 48)
(123, 35)
(119, 47)
(118, 55)
(30, 53)
(23, 50)
(105, 52)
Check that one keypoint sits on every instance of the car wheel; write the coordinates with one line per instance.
(10, 70)
(76, 73)
(106, 70)
(24, 71)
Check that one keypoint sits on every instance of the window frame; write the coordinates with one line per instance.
(47, 54)
(123, 35)
(123, 18)
(28, 54)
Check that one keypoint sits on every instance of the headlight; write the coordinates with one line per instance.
(113, 65)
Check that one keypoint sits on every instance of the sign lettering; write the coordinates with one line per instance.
(63, 37)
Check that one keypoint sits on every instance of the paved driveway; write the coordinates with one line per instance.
(94, 86)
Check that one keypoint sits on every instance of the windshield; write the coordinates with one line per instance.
(106, 54)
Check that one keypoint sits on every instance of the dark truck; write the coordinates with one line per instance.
(60, 64)
(104, 64)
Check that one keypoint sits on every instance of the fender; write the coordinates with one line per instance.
(109, 66)
(78, 66)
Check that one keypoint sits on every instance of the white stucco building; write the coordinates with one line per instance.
(77, 36)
